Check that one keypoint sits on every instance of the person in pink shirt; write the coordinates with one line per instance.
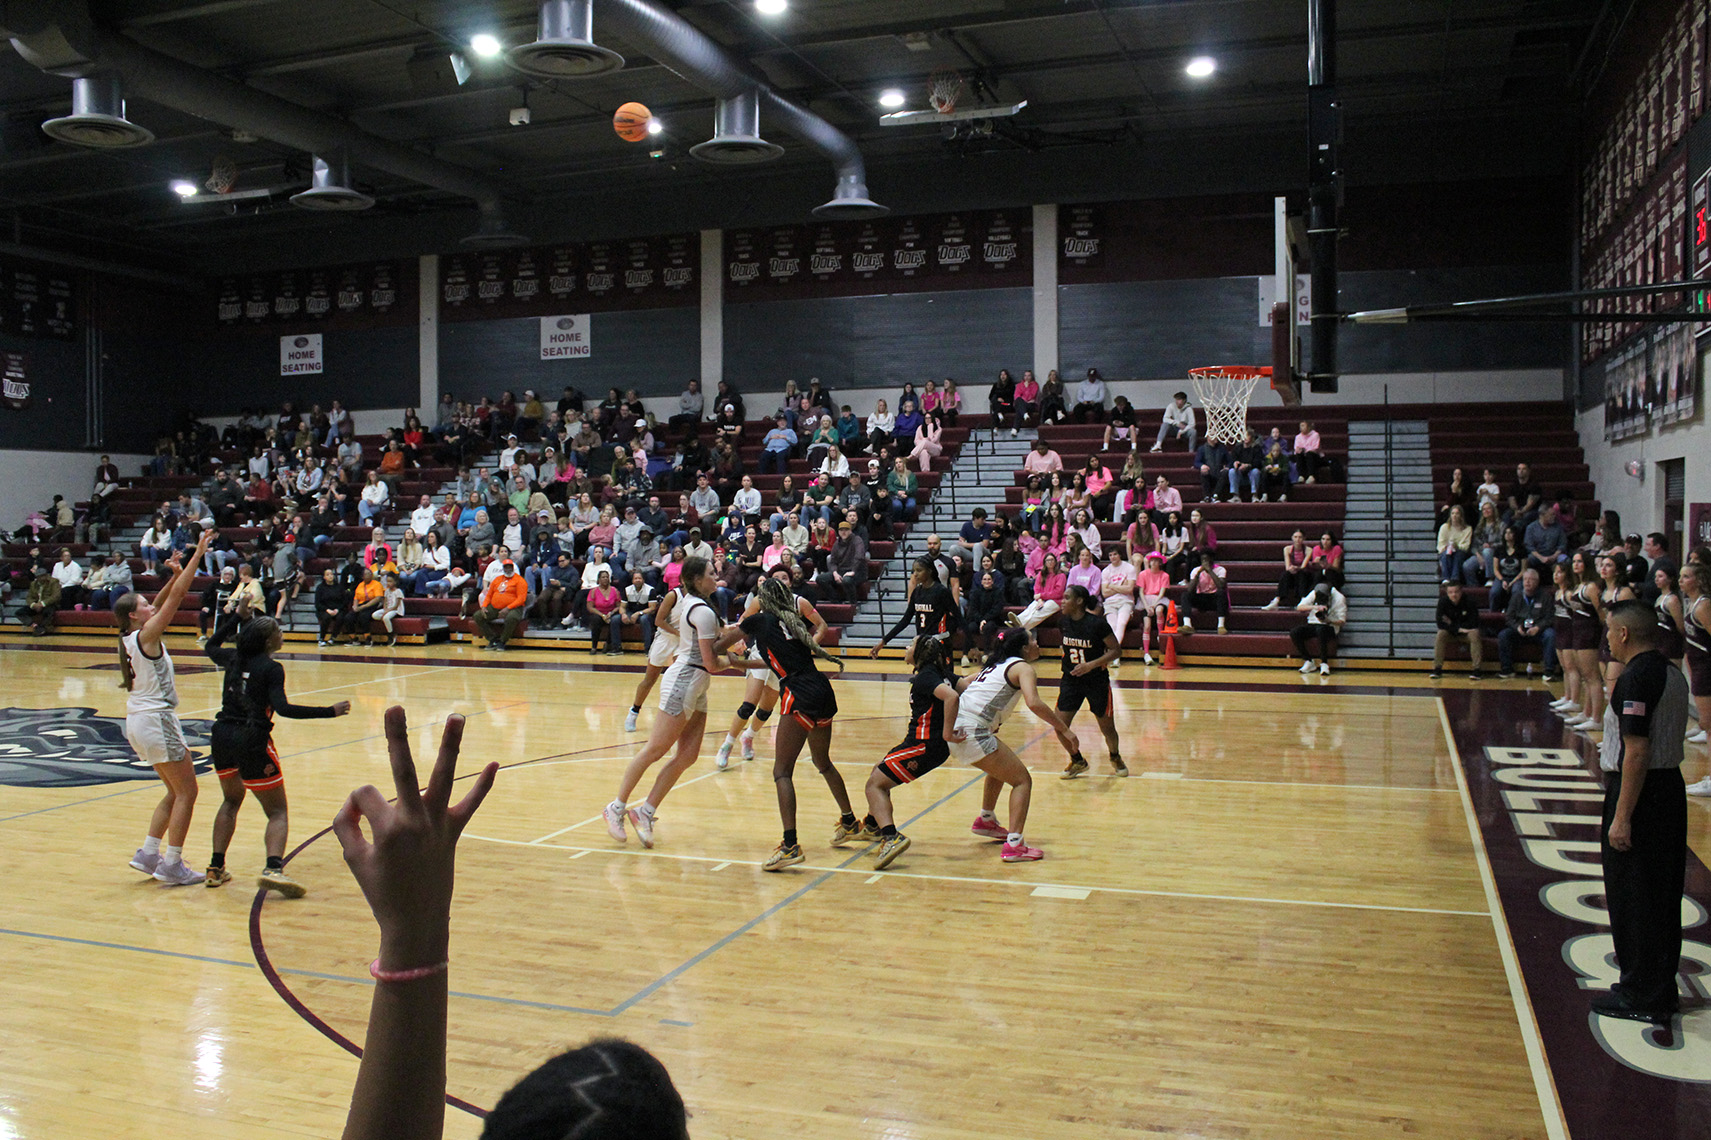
(1027, 400)
(1151, 584)
(1117, 596)
(1042, 459)
(1326, 560)
(1049, 583)
(603, 617)
(1085, 573)
(1308, 457)
(1054, 532)
(1141, 538)
(931, 399)
(1098, 484)
(1165, 499)
(772, 555)
(1202, 538)
(950, 403)
(929, 442)
(1208, 589)
(1033, 554)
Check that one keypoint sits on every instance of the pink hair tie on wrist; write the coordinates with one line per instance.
(415, 975)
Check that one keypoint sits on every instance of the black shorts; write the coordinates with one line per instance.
(1698, 672)
(914, 758)
(808, 698)
(1093, 688)
(246, 750)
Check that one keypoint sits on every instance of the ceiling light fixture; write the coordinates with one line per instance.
(486, 46)
(891, 97)
(771, 7)
(1201, 66)
(655, 126)
(184, 189)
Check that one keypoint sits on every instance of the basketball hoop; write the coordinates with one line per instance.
(223, 176)
(1224, 391)
(942, 91)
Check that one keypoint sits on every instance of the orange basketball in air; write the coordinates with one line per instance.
(631, 122)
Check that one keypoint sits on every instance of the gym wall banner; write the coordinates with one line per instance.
(301, 354)
(566, 338)
(15, 372)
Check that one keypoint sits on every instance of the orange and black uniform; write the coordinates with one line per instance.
(1083, 641)
(925, 747)
(253, 691)
(932, 609)
(803, 692)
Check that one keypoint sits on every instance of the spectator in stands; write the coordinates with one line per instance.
(1202, 537)
(1485, 542)
(1001, 401)
(214, 598)
(366, 601)
(1121, 427)
(819, 500)
(1178, 421)
(1212, 461)
(1529, 616)
(70, 576)
(909, 420)
(973, 538)
(377, 555)
(690, 405)
(1525, 498)
(1656, 550)
(604, 608)
(902, 485)
(846, 564)
(1166, 500)
(1042, 460)
(1544, 539)
(1140, 536)
(1325, 560)
(1027, 402)
(502, 606)
(1097, 481)
(1458, 620)
(950, 403)
(422, 519)
(391, 606)
(1309, 457)
(1049, 585)
(1246, 459)
(1327, 611)
(1298, 576)
(794, 535)
(329, 607)
(704, 499)
(638, 605)
(776, 447)
(644, 555)
(106, 479)
(983, 612)
(1488, 491)
(1090, 397)
(1455, 541)
(479, 534)
(155, 546)
(1173, 547)
(1506, 563)
(1082, 526)
(1274, 473)
(435, 564)
(307, 485)
(374, 498)
(746, 501)
(927, 444)
(1207, 589)
(41, 603)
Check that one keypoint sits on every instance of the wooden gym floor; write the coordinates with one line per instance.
(1278, 928)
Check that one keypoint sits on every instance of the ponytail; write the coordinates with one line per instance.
(122, 611)
(776, 599)
(1012, 644)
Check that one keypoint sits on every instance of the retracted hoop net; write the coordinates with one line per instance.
(1224, 391)
(943, 87)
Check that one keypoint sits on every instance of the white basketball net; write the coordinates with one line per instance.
(1225, 394)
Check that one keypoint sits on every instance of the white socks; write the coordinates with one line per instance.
(992, 815)
(151, 845)
(171, 855)
(1015, 839)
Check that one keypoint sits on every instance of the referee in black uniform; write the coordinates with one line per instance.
(1645, 818)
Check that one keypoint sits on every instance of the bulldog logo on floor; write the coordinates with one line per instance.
(75, 747)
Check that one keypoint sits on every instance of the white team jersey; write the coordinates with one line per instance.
(989, 697)
(678, 599)
(698, 622)
(153, 688)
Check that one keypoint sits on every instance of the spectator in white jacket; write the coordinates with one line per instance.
(422, 518)
(1178, 421)
(1090, 396)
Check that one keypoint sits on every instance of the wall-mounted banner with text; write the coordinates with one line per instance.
(15, 374)
(301, 354)
(566, 338)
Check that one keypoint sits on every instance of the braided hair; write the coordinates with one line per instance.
(605, 1090)
(931, 652)
(776, 599)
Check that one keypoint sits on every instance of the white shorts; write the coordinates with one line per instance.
(981, 743)
(1150, 602)
(663, 650)
(766, 677)
(683, 690)
(157, 737)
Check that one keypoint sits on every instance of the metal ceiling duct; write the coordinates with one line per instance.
(694, 56)
(331, 190)
(60, 38)
(97, 116)
(736, 134)
(493, 233)
(564, 47)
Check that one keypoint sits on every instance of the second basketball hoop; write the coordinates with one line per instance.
(943, 89)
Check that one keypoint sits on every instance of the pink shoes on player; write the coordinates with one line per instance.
(1021, 853)
(989, 828)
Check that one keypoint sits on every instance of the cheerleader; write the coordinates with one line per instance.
(682, 708)
(151, 718)
(760, 693)
(1696, 632)
(927, 745)
(777, 630)
(244, 757)
(1586, 622)
(984, 701)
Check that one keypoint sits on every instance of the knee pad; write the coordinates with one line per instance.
(761, 715)
(745, 710)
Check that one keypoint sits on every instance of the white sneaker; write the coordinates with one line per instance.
(1702, 788)
(1146, 658)
(1697, 737)
(723, 759)
(1324, 668)
(643, 822)
(1570, 711)
(1273, 604)
(1307, 666)
(1221, 627)
(1584, 724)
(748, 742)
(614, 823)
(1187, 625)
(1560, 703)
(630, 721)
(177, 874)
(1155, 449)
(144, 861)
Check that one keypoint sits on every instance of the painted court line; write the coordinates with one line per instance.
(1550, 1107)
(592, 819)
(721, 866)
(1062, 892)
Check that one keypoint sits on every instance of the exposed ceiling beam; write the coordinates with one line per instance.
(193, 11)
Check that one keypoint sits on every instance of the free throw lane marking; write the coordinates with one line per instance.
(1062, 892)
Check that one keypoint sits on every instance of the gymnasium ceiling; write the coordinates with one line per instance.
(1432, 89)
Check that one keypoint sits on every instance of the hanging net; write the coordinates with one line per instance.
(1224, 391)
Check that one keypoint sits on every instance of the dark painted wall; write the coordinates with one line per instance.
(224, 371)
(655, 351)
(882, 340)
(58, 395)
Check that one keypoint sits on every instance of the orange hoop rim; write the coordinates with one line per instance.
(1230, 372)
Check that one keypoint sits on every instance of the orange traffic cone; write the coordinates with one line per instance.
(1170, 653)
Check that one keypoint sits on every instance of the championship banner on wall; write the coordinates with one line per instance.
(335, 294)
(1675, 365)
(36, 303)
(653, 272)
(1081, 235)
(566, 338)
(15, 380)
(301, 355)
(1627, 392)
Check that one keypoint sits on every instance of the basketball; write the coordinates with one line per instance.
(631, 122)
